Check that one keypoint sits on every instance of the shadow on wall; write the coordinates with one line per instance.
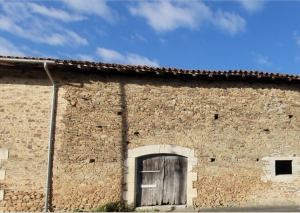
(125, 127)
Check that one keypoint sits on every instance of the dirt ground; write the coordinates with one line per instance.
(254, 209)
(224, 209)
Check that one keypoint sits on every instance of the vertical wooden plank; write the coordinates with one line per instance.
(175, 180)
(138, 199)
(180, 180)
(150, 173)
(146, 192)
(168, 182)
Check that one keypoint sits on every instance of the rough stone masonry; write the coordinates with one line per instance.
(238, 130)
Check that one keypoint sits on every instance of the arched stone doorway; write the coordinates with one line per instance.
(130, 177)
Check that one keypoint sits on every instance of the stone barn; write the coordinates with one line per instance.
(77, 134)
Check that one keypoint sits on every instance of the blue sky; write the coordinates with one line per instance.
(189, 34)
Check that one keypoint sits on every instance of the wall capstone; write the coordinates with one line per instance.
(1, 195)
(2, 174)
(3, 154)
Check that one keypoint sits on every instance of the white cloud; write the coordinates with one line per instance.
(113, 56)
(97, 7)
(263, 60)
(110, 55)
(53, 39)
(78, 56)
(163, 41)
(252, 5)
(140, 60)
(230, 22)
(139, 36)
(100, 32)
(15, 10)
(54, 13)
(167, 15)
(84, 57)
(76, 38)
(297, 38)
(134, 38)
(7, 48)
(36, 53)
(23, 24)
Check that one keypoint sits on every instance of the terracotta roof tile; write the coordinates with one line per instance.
(160, 70)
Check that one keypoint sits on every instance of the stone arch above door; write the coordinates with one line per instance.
(130, 168)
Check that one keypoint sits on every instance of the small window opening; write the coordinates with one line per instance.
(267, 131)
(257, 159)
(136, 133)
(290, 116)
(119, 113)
(212, 159)
(283, 167)
(92, 161)
(216, 116)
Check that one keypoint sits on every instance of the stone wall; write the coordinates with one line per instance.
(231, 126)
(88, 154)
(24, 130)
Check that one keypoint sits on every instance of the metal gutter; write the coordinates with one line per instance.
(52, 118)
(33, 61)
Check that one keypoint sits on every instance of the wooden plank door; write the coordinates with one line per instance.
(161, 180)
(150, 180)
(175, 173)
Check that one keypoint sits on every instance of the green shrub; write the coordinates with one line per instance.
(117, 206)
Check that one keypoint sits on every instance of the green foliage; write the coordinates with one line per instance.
(117, 206)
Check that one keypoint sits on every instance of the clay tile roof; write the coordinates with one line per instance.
(157, 70)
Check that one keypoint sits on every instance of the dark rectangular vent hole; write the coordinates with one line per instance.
(290, 116)
(283, 167)
(216, 116)
(92, 160)
(212, 159)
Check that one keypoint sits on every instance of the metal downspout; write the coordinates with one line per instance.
(50, 142)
